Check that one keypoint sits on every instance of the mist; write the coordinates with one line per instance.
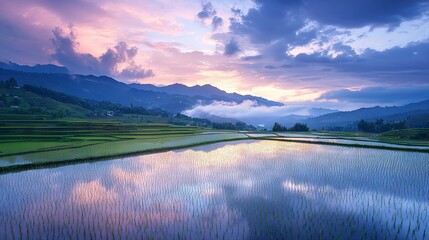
(253, 113)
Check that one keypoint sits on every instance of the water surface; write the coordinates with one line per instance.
(236, 190)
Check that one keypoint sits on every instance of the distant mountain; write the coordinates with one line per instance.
(37, 103)
(39, 68)
(348, 119)
(108, 89)
(101, 89)
(207, 91)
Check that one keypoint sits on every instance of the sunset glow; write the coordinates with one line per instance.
(232, 45)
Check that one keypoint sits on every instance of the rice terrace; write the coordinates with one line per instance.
(259, 186)
(244, 119)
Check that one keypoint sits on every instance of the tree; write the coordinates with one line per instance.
(299, 127)
(379, 126)
(365, 126)
(279, 128)
(224, 125)
(11, 83)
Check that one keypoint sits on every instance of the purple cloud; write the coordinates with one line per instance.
(208, 11)
(136, 72)
(231, 48)
(216, 22)
(106, 64)
(380, 94)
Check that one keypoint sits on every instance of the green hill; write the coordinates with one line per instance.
(19, 103)
(416, 136)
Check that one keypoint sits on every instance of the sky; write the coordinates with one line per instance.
(333, 53)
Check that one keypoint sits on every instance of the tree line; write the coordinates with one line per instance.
(380, 126)
(241, 126)
(298, 127)
(11, 83)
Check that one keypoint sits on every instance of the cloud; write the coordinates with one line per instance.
(21, 41)
(395, 65)
(236, 11)
(76, 11)
(269, 21)
(231, 48)
(65, 54)
(274, 20)
(216, 22)
(85, 63)
(207, 11)
(359, 13)
(280, 26)
(379, 94)
(251, 112)
(136, 72)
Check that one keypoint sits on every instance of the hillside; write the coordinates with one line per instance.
(41, 103)
(407, 136)
(18, 103)
(416, 115)
(102, 88)
(37, 103)
(207, 91)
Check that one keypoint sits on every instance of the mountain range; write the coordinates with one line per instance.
(415, 114)
(177, 97)
(205, 91)
(173, 98)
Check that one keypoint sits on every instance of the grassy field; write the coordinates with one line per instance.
(417, 136)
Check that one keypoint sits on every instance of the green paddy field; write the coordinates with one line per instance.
(35, 143)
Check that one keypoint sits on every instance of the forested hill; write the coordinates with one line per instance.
(415, 114)
(31, 102)
(103, 88)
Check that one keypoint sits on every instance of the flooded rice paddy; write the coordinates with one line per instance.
(236, 190)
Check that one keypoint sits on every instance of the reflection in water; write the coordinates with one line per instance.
(253, 190)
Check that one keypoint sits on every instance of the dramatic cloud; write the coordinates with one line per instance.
(285, 50)
(303, 26)
(395, 65)
(106, 64)
(274, 20)
(379, 94)
(359, 13)
(231, 48)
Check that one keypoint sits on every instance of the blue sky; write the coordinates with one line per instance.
(333, 53)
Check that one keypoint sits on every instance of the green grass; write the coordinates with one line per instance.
(416, 136)
(28, 99)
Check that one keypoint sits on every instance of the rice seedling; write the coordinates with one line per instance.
(251, 189)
